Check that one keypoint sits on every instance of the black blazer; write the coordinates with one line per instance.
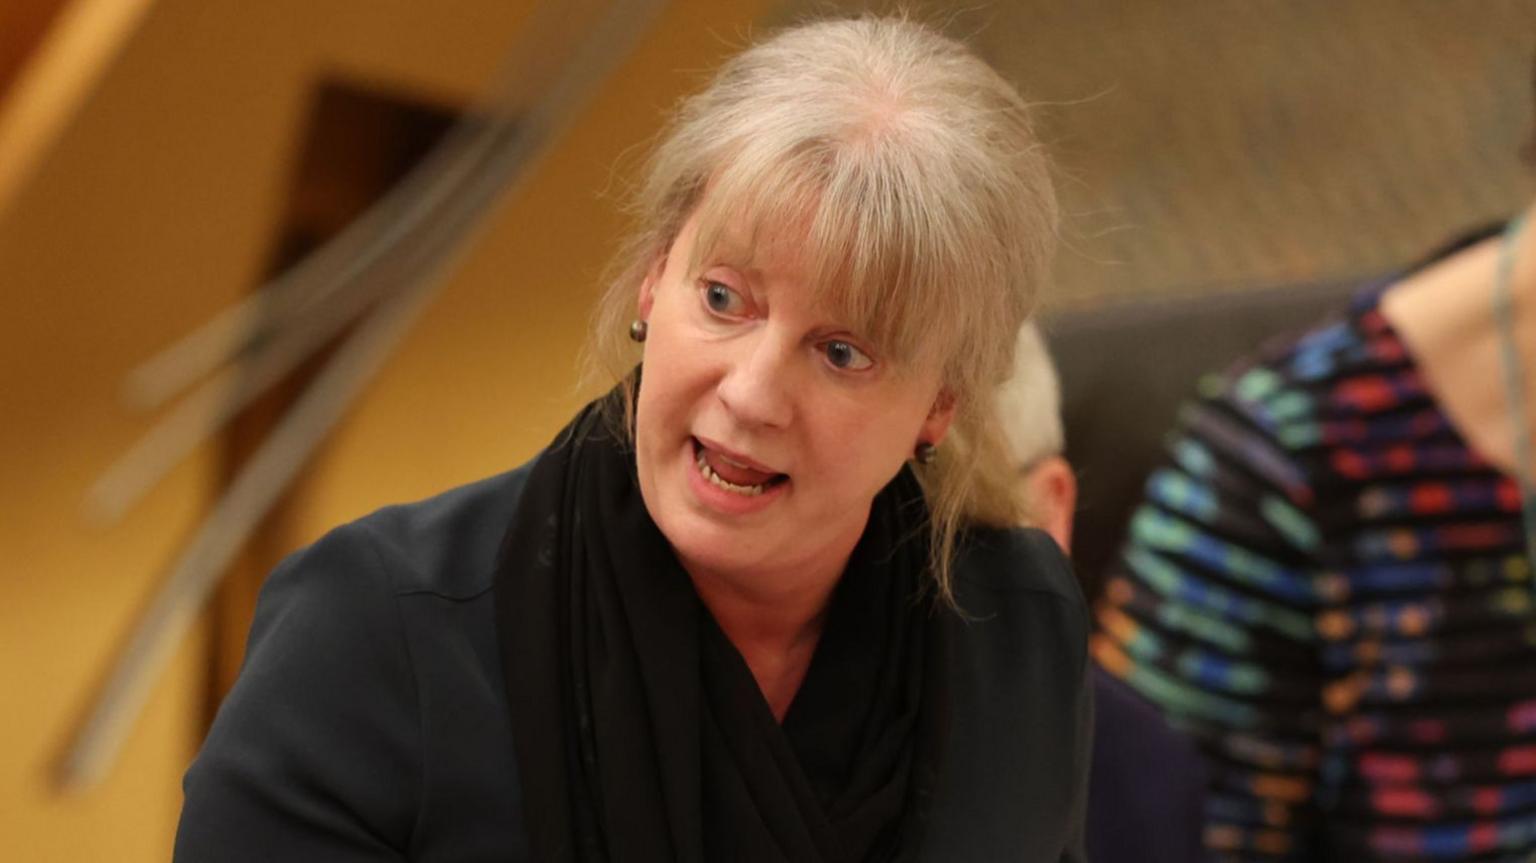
(370, 722)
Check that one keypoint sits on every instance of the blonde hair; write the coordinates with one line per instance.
(925, 201)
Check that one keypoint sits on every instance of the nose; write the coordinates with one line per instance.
(757, 386)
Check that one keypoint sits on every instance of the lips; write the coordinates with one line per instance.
(733, 471)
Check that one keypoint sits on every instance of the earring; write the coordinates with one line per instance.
(638, 330)
(925, 453)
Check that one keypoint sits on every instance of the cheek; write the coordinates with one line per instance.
(670, 384)
(863, 450)
(654, 411)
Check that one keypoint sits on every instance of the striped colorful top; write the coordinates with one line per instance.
(1331, 591)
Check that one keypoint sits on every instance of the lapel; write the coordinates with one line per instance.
(1013, 777)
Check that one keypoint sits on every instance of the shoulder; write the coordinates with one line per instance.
(445, 545)
(367, 707)
(342, 595)
(1326, 371)
(1016, 561)
(1273, 417)
(1017, 585)
(343, 590)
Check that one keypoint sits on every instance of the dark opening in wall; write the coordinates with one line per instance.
(358, 142)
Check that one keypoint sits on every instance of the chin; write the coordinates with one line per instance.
(702, 543)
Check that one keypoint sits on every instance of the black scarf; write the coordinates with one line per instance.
(639, 730)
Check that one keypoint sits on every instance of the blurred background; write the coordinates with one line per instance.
(162, 160)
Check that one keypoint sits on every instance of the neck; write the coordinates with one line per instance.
(773, 619)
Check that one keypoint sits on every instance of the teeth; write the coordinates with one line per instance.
(709, 474)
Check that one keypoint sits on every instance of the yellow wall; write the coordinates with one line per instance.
(154, 209)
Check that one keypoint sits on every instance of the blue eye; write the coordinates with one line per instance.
(843, 355)
(722, 300)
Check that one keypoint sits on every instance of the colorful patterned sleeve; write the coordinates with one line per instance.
(1209, 612)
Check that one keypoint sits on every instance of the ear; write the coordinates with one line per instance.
(648, 286)
(940, 417)
(1051, 489)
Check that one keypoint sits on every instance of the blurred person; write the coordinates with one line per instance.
(1329, 581)
(1147, 783)
(761, 602)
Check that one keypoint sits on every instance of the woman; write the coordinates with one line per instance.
(719, 618)
(1330, 582)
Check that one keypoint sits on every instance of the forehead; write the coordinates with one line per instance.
(755, 248)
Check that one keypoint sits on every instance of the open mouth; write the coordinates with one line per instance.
(723, 472)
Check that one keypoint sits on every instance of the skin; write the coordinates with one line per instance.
(740, 357)
(1444, 315)
(1051, 489)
